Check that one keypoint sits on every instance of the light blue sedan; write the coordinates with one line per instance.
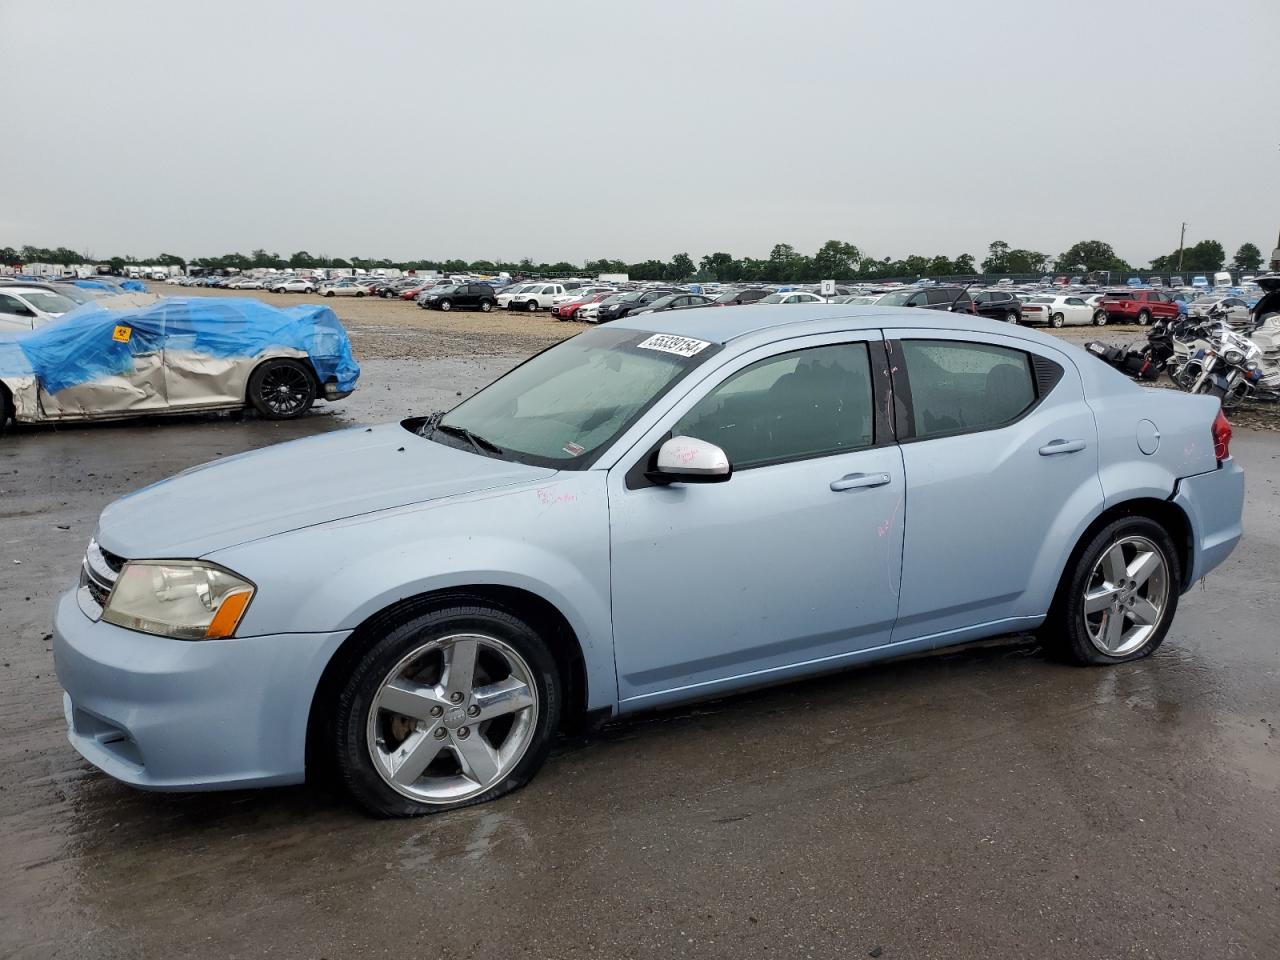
(668, 508)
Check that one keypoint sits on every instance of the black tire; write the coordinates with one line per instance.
(329, 293)
(446, 306)
(1144, 318)
(486, 306)
(282, 389)
(1100, 318)
(6, 409)
(532, 306)
(1066, 634)
(1216, 391)
(385, 294)
(359, 294)
(350, 711)
(1057, 320)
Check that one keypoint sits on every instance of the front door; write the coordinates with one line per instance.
(1001, 458)
(790, 566)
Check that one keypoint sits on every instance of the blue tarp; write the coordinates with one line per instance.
(133, 286)
(84, 345)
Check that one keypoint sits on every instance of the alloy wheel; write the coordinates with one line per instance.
(1126, 595)
(285, 389)
(452, 718)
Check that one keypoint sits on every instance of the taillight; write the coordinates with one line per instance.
(1221, 437)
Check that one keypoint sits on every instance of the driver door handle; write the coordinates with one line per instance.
(1054, 447)
(855, 480)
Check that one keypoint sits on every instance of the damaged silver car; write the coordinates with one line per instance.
(174, 356)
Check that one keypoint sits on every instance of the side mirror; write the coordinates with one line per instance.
(690, 460)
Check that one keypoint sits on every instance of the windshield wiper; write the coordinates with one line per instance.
(429, 425)
(479, 443)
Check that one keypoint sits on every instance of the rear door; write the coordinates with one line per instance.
(109, 369)
(1000, 452)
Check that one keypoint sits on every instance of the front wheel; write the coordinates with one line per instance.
(1057, 320)
(452, 707)
(282, 389)
(532, 306)
(1118, 595)
(446, 306)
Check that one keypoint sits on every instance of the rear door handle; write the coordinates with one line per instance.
(1054, 447)
(855, 480)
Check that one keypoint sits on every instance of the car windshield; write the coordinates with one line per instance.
(79, 294)
(569, 402)
(895, 299)
(49, 302)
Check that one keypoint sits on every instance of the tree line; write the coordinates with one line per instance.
(834, 260)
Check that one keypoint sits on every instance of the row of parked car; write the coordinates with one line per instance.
(577, 300)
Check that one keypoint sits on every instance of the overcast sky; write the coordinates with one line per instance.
(571, 130)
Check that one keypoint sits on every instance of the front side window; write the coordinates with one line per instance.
(568, 403)
(806, 403)
(959, 387)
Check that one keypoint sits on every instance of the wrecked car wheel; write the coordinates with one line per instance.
(452, 707)
(282, 389)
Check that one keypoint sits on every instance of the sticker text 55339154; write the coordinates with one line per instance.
(682, 346)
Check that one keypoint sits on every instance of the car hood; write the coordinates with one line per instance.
(298, 484)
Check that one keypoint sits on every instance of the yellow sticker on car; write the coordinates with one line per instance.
(122, 334)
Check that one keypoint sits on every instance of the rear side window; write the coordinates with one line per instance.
(964, 387)
(806, 403)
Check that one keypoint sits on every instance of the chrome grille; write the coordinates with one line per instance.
(97, 578)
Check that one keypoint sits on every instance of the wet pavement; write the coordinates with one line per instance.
(981, 803)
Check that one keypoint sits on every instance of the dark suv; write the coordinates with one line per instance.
(738, 297)
(955, 299)
(998, 305)
(463, 296)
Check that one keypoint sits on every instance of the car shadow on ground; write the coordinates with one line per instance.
(886, 693)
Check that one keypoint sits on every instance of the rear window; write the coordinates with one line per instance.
(964, 387)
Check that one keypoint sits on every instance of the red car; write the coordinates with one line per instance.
(569, 311)
(412, 292)
(1139, 306)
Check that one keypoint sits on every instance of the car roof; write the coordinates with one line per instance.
(730, 323)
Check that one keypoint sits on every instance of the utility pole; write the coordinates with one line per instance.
(1181, 240)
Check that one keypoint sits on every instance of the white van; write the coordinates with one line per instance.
(1221, 279)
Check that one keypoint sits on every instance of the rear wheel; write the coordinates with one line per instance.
(449, 708)
(1144, 318)
(1118, 595)
(486, 306)
(1100, 318)
(1013, 318)
(282, 389)
(1057, 320)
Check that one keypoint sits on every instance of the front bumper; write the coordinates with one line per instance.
(165, 714)
(1214, 504)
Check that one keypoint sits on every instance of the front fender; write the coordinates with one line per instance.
(550, 539)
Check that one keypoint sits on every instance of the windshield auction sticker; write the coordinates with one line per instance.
(681, 346)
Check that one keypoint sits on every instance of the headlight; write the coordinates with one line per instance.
(1233, 356)
(182, 599)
